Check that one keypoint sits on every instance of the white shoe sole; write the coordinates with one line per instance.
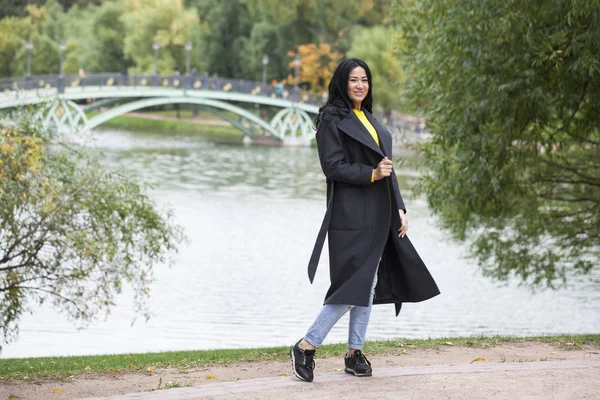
(350, 371)
(294, 367)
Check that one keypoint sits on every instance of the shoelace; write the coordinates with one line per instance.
(309, 361)
(360, 358)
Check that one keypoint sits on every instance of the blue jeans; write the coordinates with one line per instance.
(331, 313)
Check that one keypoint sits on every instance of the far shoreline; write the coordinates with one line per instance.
(217, 130)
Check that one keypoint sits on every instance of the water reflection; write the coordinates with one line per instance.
(193, 164)
(252, 215)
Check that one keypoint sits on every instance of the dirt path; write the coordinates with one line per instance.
(509, 371)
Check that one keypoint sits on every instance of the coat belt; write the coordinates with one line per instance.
(316, 253)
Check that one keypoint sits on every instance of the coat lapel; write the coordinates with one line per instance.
(352, 127)
(385, 137)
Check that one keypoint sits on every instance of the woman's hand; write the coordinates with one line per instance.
(404, 227)
(383, 170)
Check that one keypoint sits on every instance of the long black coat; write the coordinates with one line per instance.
(362, 220)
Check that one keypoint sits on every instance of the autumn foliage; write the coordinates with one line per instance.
(317, 63)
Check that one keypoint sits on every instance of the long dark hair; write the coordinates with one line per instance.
(338, 102)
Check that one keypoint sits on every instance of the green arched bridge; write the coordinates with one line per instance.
(59, 100)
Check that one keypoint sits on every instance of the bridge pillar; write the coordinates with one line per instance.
(295, 127)
(63, 115)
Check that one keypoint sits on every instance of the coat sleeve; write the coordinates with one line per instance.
(399, 200)
(333, 159)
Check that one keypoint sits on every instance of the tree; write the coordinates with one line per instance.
(54, 20)
(226, 27)
(45, 57)
(71, 232)
(68, 4)
(318, 62)
(164, 21)
(107, 51)
(511, 94)
(45, 28)
(16, 8)
(13, 35)
(264, 40)
(380, 47)
(94, 36)
(282, 26)
(320, 20)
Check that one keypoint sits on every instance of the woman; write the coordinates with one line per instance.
(371, 260)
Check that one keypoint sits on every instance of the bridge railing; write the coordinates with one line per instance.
(121, 80)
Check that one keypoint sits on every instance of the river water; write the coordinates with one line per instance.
(251, 215)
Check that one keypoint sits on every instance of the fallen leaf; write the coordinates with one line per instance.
(87, 367)
(403, 352)
(13, 397)
(58, 390)
(449, 343)
(478, 359)
(75, 364)
(130, 365)
(282, 374)
(150, 368)
(552, 352)
(237, 379)
(210, 377)
(337, 369)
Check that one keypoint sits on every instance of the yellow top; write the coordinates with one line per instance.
(363, 118)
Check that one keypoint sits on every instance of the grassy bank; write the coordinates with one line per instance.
(60, 367)
(187, 112)
(217, 134)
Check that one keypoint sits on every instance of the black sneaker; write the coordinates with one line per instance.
(303, 362)
(358, 364)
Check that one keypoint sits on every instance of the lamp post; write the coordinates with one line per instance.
(296, 68)
(188, 49)
(61, 47)
(29, 47)
(265, 62)
(155, 46)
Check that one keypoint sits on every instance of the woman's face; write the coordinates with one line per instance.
(358, 86)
